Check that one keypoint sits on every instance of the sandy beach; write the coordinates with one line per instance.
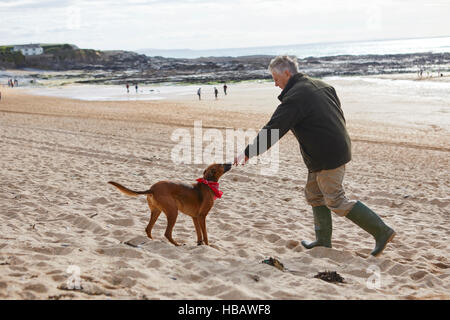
(61, 222)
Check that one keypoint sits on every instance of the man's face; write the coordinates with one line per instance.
(281, 79)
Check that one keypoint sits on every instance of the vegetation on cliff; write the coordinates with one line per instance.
(11, 59)
(57, 57)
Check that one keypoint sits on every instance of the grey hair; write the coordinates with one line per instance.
(281, 63)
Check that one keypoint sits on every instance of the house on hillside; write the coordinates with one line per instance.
(29, 49)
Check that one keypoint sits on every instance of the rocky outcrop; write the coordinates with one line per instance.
(226, 69)
(118, 67)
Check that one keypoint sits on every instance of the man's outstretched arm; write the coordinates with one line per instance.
(282, 120)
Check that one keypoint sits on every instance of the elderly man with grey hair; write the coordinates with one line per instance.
(311, 109)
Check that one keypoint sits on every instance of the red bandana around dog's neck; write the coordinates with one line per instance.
(214, 187)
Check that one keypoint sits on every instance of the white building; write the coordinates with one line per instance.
(29, 49)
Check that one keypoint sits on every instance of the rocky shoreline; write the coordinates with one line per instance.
(120, 67)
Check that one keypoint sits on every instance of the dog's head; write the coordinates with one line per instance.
(215, 171)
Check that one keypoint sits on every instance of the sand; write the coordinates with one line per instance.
(67, 234)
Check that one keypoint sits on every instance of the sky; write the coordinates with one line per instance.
(214, 24)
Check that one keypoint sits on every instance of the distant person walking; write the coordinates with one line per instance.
(16, 83)
(128, 87)
(136, 86)
(199, 93)
(225, 87)
(216, 92)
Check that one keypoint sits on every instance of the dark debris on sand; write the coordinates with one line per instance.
(274, 262)
(330, 276)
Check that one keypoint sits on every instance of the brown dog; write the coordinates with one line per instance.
(194, 200)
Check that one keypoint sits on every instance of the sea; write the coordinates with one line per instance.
(432, 90)
(372, 47)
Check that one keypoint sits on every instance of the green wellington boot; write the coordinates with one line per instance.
(372, 223)
(323, 228)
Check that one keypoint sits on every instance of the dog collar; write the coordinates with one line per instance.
(214, 187)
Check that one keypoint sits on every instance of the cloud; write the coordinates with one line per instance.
(202, 24)
(32, 4)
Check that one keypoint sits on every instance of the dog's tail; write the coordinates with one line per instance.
(128, 191)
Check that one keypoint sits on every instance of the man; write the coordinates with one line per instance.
(311, 109)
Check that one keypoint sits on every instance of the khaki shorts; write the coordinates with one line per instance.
(324, 188)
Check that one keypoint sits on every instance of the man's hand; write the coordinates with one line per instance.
(240, 159)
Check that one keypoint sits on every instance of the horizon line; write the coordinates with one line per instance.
(286, 45)
(234, 48)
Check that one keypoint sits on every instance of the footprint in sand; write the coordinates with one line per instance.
(230, 238)
(87, 224)
(121, 281)
(273, 237)
(398, 269)
(100, 200)
(119, 252)
(3, 285)
(59, 277)
(242, 253)
(418, 275)
(155, 263)
(239, 178)
(291, 244)
(38, 288)
(439, 202)
(121, 222)
(215, 290)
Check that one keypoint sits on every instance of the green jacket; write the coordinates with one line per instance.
(311, 109)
